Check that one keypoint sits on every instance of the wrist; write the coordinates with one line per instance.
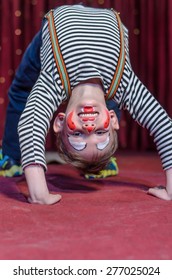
(169, 181)
(33, 165)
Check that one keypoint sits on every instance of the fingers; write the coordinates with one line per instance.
(48, 200)
(159, 192)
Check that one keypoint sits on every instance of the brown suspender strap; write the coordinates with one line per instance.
(121, 62)
(57, 54)
(61, 65)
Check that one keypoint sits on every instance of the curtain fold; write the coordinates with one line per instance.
(150, 31)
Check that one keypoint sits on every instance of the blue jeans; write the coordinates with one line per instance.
(26, 76)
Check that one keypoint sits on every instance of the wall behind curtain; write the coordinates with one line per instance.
(150, 29)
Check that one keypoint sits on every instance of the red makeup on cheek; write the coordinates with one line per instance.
(107, 121)
(70, 123)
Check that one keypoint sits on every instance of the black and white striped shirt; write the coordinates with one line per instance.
(89, 42)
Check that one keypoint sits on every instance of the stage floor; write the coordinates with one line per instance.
(112, 218)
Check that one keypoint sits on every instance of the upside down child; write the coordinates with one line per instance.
(85, 61)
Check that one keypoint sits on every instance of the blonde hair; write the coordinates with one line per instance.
(97, 163)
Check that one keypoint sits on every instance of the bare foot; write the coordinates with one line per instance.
(48, 200)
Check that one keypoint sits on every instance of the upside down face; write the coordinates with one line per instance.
(88, 130)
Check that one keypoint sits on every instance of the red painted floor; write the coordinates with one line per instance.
(112, 218)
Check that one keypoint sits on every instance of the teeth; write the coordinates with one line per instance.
(88, 114)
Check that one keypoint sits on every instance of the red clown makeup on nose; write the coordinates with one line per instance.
(70, 123)
(107, 121)
(89, 128)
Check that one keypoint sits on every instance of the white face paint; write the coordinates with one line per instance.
(103, 145)
(79, 146)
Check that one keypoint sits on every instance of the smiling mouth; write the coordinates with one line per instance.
(88, 113)
(95, 114)
(88, 116)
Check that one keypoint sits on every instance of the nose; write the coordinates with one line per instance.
(89, 127)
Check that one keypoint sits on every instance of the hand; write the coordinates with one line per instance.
(37, 185)
(48, 199)
(160, 192)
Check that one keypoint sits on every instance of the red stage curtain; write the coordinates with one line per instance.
(150, 28)
(151, 56)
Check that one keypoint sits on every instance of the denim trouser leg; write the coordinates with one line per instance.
(19, 90)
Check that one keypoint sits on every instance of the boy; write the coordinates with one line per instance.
(91, 45)
(25, 78)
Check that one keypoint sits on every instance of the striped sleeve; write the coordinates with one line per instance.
(44, 99)
(35, 121)
(147, 111)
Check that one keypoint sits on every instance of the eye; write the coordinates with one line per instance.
(77, 133)
(100, 132)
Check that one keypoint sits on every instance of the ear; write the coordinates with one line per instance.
(114, 120)
(58, 122)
